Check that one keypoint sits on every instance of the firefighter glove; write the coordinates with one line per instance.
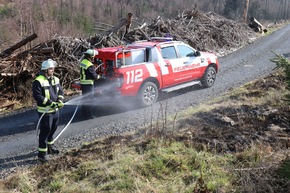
(53, 105)
(60, 104)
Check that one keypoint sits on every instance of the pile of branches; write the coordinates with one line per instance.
(203, 31)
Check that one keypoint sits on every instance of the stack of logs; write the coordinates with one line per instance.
(203, 31)
(257, 26)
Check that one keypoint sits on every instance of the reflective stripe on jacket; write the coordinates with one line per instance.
(85, 64)
(49, 93)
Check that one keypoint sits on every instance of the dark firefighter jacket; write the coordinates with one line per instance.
(46, 91)
(88, 73)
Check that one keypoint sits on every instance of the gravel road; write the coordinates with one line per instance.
(18, 141)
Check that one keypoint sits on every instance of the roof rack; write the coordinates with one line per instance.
(161, 39)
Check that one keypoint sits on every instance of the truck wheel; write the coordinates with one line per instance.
(148, 94)
(209, 77)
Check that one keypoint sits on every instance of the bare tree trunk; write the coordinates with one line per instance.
(246, 10)
(218, 6)
(285, 10)
(128, 23)
(288, 9)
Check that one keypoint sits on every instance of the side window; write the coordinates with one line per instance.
(137, 56)
(132, 57)
(168, 52)
(185, 51)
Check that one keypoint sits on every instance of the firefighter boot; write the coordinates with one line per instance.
(51, 149)
(42, 157)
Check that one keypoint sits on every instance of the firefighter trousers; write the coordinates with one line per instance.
(87, 99)
(48, 126)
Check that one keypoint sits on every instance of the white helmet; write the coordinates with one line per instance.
(48, 64)
(92, 52)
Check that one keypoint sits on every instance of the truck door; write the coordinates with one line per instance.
(190, 67)
(182, 64)
(169, 58)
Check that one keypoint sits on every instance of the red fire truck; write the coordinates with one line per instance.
(145, 68)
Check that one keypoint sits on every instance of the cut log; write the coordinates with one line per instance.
(10, 105)
(256, 25)
(8, 51)
(46, 50)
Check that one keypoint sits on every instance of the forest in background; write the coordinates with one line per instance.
(82, 18)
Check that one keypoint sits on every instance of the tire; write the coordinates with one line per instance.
(148, 94)
(209, 77)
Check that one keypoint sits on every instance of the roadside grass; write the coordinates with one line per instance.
(152, 166)
(173, 154)
(255, 93)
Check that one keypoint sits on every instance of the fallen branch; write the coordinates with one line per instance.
(9, 51)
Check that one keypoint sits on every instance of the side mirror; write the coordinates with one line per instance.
(197, 53)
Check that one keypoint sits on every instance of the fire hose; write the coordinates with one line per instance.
(65, 127)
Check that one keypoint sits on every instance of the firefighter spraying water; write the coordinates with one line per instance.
(48, 93)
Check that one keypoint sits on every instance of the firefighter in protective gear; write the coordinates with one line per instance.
(87, 77)
(48, 94)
